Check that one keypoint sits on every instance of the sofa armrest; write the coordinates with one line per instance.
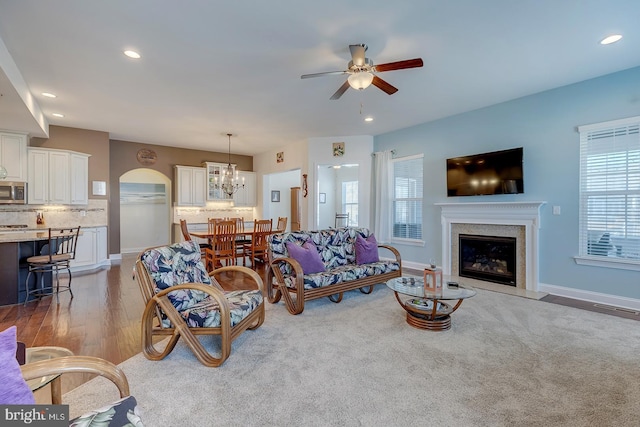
(394, 251)
(296, 268)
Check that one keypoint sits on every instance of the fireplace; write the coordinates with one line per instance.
(520, 220)
(490, 258)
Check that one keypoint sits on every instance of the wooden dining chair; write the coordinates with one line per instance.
(212, 223)
(282, 224)
(223, 244)
(257, 248)
(241, 237)
(187, 237)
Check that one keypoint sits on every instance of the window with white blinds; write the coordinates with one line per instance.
(350, 201)
(610, 191)
(407, 198)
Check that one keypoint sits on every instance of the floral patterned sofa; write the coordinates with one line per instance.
(342, 272)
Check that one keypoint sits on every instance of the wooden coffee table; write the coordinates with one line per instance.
(425, 308)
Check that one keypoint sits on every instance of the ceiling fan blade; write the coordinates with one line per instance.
(390, 66)
(357, 54)
(326, 73)
(340, 91)
(381, 84)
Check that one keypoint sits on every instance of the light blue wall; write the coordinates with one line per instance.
(545, 125)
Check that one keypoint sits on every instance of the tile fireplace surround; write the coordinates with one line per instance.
(513, 219)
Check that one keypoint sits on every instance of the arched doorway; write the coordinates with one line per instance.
(145, 210)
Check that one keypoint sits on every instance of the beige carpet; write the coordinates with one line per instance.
(507, 361)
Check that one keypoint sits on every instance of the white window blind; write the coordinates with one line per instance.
(350, 201)
(407, 198)
(610, 190)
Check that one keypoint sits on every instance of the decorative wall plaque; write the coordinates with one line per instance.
(338, 149)
(146, 157)
(280, 157)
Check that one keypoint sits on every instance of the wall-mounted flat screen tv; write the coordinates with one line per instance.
(498, 172)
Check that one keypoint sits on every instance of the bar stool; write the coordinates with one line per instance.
(54, 256)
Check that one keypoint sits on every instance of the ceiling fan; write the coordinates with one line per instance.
(362, 72)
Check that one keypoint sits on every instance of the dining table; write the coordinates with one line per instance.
(242, 236)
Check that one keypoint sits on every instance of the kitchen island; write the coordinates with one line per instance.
(15, 248)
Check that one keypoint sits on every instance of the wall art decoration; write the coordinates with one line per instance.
(146, 157)
(338, 149)
(280, 157)
(275, 196)
(142, 193)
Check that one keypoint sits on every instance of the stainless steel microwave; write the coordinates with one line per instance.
(13, 192)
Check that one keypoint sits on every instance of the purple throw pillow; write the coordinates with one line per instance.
(307, 255)
(366, 250)
(14, 390)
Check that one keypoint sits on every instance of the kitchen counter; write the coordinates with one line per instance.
(9, 234)
(23, 236)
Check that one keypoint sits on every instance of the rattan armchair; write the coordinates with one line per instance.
(183, 300)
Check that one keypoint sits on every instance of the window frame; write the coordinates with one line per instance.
(584, 257)
(406, 240)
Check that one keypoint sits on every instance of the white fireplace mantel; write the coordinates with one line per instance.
(526, 214)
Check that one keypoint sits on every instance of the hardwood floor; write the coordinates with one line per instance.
(103, 318)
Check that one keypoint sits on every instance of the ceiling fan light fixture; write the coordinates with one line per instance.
(360, 80)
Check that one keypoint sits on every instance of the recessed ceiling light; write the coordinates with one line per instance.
(368, 119)
(132, 54)
(611, 39)
(57, 115)
(48, 95)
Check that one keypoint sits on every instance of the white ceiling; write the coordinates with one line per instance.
(212, 67)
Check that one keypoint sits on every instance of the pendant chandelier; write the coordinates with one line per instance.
(229, 182)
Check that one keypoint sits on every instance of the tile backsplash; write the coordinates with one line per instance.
(201, 215)
(93, 214)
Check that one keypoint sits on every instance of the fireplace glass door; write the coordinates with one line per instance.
(488, 258)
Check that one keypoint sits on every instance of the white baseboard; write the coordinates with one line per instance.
(115, 256)
(105, 263)
(596, 297)
(414, 265)
(407, 264)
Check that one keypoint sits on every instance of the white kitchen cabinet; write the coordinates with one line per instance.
(245, 196)
(79, 164)
(57, 177)
(101, 246)
(91, 249)
(190, 186)
(13, 155)
(215, 173)
(59, 187)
